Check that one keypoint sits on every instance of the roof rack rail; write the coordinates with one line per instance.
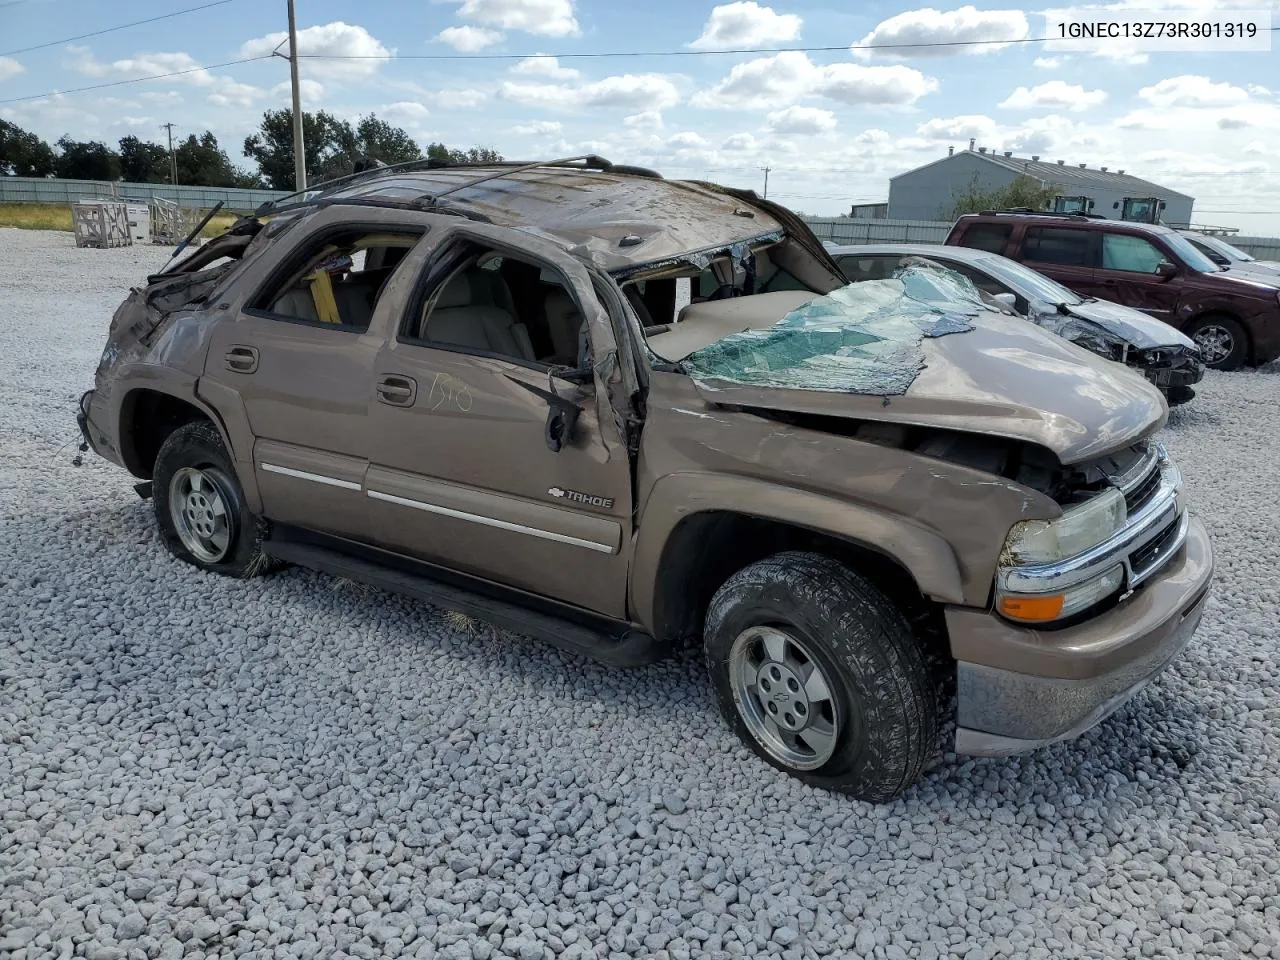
(589, 161)
(1028, 212)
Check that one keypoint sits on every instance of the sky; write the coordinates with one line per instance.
(833, 125)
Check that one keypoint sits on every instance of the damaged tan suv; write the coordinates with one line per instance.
(895, 520)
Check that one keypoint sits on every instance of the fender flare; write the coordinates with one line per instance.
(234, 431)
(926, 556)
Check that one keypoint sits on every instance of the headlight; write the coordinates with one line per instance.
(1078, 529)
(1024, 594)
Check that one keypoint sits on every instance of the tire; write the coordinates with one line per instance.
(1222, 341)
(1179, 395)
(877, 728)
(200, 507)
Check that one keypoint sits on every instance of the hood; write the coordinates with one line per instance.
(969, 368)
(1250, 279)
(1126, 323)
(1267, 271)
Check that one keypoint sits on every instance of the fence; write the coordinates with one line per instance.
(844, 230)
(39, 190)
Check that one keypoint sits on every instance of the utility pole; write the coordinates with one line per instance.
(299, 154)
(173, 160)
(766, 169)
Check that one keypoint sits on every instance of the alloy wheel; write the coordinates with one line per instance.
(784, 697)
(198, 508)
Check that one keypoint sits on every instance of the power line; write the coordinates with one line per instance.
(123, 26)
(680, 53)
(121, 83)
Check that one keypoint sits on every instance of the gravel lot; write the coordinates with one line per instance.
(302, 767)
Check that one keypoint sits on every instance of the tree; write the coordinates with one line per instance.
(1024, 191)
(438, 151)
(23, 154)
(86, 160)
(202, 162)
(143, 162)
(272, 146)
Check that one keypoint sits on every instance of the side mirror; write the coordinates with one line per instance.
(1008, 299)
(1166, 269)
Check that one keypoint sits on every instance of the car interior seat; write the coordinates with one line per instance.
(564, 322)
(463, 316)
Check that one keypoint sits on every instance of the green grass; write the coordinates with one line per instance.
(57, 216)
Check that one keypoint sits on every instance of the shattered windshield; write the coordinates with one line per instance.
(861, 338)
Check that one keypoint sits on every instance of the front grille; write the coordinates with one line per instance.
(1150, 556)
(1140, 493)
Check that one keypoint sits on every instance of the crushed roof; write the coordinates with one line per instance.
(590, 210)
(1069, 176)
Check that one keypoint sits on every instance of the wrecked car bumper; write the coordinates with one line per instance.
(91, 415)
(1055, 685)
(1168, 377)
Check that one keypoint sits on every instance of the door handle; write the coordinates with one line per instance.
(242, 359)
(396, 390)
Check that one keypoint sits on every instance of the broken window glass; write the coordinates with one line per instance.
(862, 338)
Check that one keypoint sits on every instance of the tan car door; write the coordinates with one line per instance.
(462, 474)
(302, 381)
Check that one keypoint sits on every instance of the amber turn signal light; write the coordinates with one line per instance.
(1032, 609)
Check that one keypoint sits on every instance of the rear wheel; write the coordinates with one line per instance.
(820, 674)
(1222, 341)
(200, 508)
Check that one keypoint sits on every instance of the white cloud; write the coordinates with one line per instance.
(229, 93)
(786, 77)
(1233, 123)
(409, 110)
(740, 142)
(1256, 148)
(803, 121)
(547, 18)
(1258, 91)
(744, 23)
(187, 68)
(537, 128)
(872, 136)
(975, 126)
(1048, 63)
(645, 120)
(336, 39)
(983, 30)
(131, 121)
(458, 99)
(1190, 90)
(853, 83)
(687, 138)
(544, 66)
(1120, 54)
(310, 90)
(629, 91)
(469, 39)
(168, 96)
(10, 67)
(1055, 94)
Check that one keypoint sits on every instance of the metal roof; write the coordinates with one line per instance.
(577, 207)
(1070, 176)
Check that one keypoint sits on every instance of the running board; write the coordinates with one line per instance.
(621, 646)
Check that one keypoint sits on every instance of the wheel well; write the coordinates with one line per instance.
(707, 548)
(147, 417)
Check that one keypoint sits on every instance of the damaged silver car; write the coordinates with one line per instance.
(1166, 357)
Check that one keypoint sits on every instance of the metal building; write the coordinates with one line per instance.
(929, 192)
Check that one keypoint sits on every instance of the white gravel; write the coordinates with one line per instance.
(300, 767)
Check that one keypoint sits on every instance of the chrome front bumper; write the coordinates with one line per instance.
(1019, 688)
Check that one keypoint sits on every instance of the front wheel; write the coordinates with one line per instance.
(820, 674)
(200, 508)
(1222, 341)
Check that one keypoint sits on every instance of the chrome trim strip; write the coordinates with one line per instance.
(492, 522)
(314, 477)
(1148, 523)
